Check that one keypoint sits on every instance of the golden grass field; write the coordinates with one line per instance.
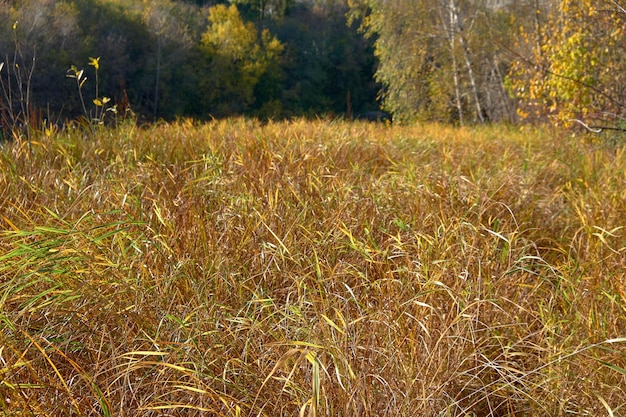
(312, 269)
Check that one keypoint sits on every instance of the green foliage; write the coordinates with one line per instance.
(407, 58)
(440, 61)
(328, 66)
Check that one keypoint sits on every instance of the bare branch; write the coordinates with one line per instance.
(619, 6)
(593, 129)
(597, 129)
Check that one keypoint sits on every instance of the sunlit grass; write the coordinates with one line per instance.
(314, 269)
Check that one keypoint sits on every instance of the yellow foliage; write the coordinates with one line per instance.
(572, 67)
(94, 62)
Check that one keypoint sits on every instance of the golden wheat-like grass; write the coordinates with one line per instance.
(312, 269)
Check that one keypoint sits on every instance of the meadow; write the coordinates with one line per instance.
(312, 268)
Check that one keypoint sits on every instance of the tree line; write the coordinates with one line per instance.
(453, 61)
(169, 59)
(473, 61)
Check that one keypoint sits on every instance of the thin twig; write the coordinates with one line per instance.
(619, 6)
(597, 129)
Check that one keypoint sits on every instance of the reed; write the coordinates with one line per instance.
(312, 268)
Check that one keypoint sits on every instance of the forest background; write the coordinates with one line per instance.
(452, 61)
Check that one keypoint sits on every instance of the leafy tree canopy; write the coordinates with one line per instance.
(171, 58)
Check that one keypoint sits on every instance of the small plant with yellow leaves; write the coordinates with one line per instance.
(96, 117)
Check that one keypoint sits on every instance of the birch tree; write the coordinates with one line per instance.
(429, 64)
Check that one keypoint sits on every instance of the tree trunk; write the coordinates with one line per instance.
(158, 78)
(455, 71)
(468, 60)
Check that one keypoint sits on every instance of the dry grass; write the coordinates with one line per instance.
(312, 269)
